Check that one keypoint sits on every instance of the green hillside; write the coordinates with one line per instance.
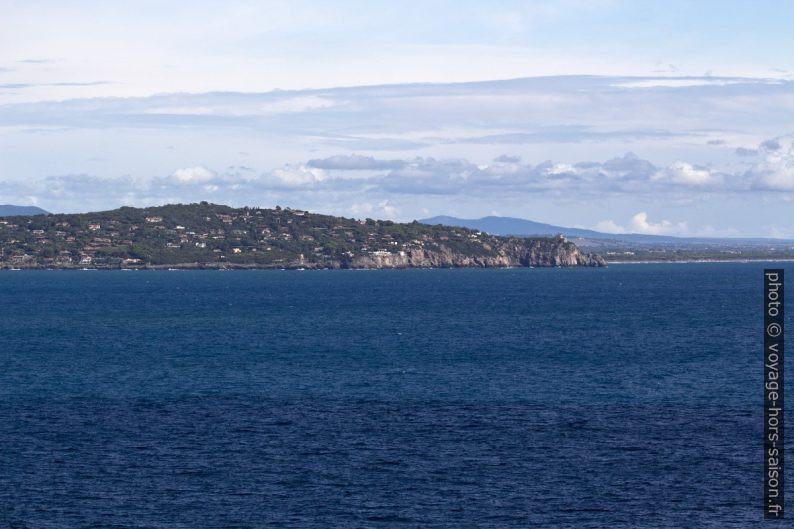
(215, 235)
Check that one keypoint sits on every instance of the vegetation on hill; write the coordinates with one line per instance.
(218, 236)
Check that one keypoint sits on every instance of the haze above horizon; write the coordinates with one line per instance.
(605, 115)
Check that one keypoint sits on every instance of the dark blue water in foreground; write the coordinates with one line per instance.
(625, 397)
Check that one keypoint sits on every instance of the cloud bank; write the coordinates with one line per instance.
(359, 176)
(526, 147)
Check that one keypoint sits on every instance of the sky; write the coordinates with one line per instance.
(671, 118)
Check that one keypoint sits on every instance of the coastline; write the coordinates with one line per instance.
(194, 266)
(230, 267)
(699, 261)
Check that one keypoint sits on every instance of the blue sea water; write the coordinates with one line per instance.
(620, 397)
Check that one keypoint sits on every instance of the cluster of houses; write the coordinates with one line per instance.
(216, 236)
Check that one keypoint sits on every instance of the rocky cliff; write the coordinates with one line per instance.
(512, 252)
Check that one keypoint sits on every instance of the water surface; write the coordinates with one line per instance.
(619, 397)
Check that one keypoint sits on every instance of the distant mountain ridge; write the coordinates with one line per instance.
(522, 227)
(10, 210)
(510, 226)
(506, 226)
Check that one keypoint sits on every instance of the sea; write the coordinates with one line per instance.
(629, 396)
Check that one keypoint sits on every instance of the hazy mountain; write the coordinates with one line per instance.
(8, 210)
(522, 227)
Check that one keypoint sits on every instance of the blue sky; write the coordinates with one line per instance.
(671, 117)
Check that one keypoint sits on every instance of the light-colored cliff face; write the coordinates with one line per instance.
(513, 252)
(442, 258)
(552, 252)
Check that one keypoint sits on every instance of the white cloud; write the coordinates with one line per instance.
(684, 173)
(640, 224)
(609, 226)
(776, 170)
(194, 175)
(382, 209)
(560, 168)
(297, 175)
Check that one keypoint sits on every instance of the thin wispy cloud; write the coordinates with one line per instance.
(63, 83)
(36, 61)
(355, 162)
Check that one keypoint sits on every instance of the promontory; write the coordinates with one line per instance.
(215, 236)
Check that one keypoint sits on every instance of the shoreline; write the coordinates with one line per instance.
(178, 268)
(226, 268)
(699, 261)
